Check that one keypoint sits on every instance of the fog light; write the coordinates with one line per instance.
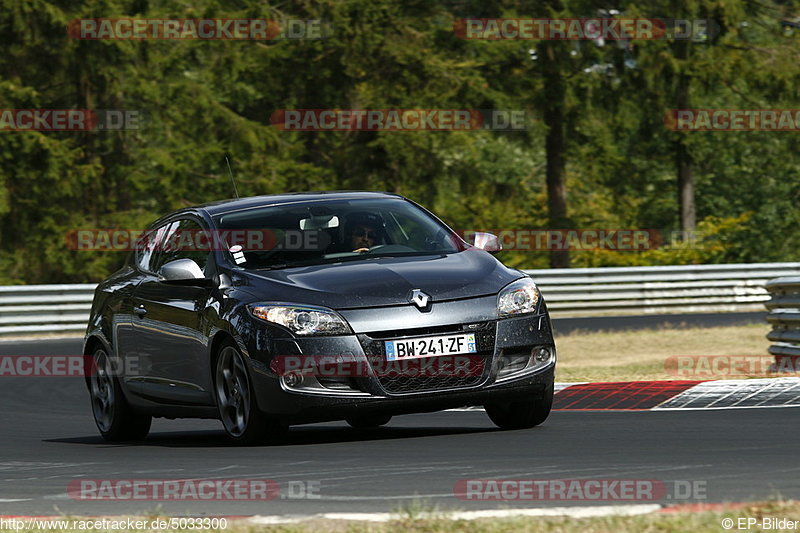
(293, 380)
(543, 355)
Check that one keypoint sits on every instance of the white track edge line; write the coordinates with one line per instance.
(572, 512)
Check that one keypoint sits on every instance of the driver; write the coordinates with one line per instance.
(362, 238)
(362, 233)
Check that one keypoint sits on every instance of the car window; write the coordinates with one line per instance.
(341, 230)
(413, 232)
(184, 239)
(147, 247)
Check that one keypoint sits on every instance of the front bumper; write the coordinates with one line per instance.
(499, 341)
(302, 408)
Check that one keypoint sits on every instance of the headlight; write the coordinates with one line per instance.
(519, 297)
(303, 320)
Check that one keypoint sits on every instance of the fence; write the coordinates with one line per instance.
(30, 309)
(33, 309)
(659, 289)
(784, 316)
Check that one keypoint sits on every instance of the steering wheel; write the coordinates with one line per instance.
(369, 250)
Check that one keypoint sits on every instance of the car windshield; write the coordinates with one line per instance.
(313, 233)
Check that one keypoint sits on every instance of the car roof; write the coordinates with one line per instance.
(236, 204)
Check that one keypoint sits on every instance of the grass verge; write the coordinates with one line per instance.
(643, 354)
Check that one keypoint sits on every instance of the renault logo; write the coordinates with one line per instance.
(419, 298)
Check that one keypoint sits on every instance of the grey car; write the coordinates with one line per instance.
(353, 306)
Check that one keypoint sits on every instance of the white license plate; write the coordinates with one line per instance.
(430, 347)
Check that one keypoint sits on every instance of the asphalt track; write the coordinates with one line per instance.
(49, 439)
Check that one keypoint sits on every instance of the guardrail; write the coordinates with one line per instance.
(659, 289)
(34, 309)
(784, 316)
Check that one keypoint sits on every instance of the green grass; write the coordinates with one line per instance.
(642, 354)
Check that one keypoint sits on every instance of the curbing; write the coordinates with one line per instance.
(675, 395)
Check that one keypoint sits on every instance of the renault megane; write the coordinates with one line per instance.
(277, 310)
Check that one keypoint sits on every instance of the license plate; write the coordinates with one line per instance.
(430, 347)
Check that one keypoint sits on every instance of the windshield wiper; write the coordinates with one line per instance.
(351, 258)
(279, 266)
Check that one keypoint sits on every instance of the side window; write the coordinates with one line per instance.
(184, 239)
(147, 247)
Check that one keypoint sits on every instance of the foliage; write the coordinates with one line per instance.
(207, 100)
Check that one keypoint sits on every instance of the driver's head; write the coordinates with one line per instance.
(362, 231)
(362, 236)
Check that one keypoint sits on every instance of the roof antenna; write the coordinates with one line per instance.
(232, 180)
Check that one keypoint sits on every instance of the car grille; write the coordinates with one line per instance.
(394, 383)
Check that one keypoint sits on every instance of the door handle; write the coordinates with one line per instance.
(140, 311)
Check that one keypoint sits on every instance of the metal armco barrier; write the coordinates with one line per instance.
(658, 289)
(784, 316)
(35, 309)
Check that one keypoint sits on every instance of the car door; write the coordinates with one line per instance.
(171, 331)
(123, 319)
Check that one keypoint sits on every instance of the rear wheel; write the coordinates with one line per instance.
(370, 421)
(521, 414)
(243, 421)
(114, 417)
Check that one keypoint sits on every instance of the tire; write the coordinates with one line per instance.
(243, 421)
(521, 414)
(368, 421)
(113, 415)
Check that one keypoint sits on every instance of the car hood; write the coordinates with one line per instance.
(382, 281)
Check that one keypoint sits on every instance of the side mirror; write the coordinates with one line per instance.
(486, 242)
(183, 271)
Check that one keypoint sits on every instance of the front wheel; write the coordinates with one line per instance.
(243, 421)
(521, 414)
(114, 417)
